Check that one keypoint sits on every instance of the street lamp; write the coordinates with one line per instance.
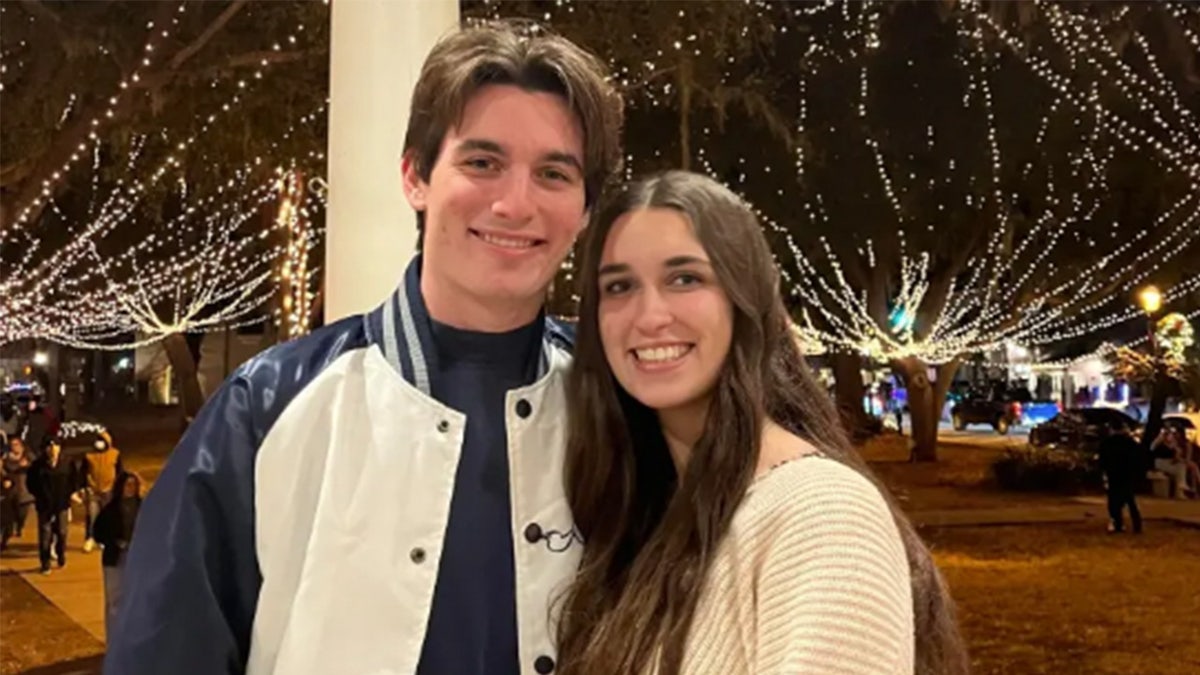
(41, 359)
(1151, 300)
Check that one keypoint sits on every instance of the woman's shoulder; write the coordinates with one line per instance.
(812, 489)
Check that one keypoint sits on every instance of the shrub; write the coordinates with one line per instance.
(1032, 468)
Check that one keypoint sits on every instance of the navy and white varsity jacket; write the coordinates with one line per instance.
(297, 527)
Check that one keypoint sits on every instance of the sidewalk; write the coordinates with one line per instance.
(77, 589)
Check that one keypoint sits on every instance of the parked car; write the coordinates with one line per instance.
(1131, 408)
(1080, 428)
(1037, 412)
(1189, 422)
(997, 413)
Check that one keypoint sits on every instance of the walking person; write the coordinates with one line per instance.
(16, 465)
(10, 420)
(102, 465)
(41, 427)
(1122, 463)
(113, 531)
(52, 480)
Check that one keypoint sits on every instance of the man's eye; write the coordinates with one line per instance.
(556, 175)
(481, 163)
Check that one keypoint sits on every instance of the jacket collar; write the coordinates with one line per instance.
(400, 328)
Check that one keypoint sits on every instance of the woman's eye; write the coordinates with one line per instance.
(685, 279)
(615, 287)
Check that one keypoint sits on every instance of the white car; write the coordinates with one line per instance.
(1189, 422)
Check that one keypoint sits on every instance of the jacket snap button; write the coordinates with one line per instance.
(417, 555)
(524, 409)
(544, 665)
(533, 533)
(443, 426)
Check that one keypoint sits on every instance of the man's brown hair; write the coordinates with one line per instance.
(527, 57)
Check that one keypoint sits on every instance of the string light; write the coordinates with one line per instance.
(1015, 288)
(209, 267)
(296, 279)
(49, 186)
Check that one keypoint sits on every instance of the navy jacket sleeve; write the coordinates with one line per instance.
(191, 579)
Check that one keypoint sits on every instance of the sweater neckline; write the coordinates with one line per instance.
(790, 460)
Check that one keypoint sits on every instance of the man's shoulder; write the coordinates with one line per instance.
(271, 379)
(307, 355)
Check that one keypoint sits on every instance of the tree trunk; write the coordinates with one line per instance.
(54, 377)
(925, 402)
(183, 363)
(685, 111)
(1158, 405)
(225, 354)
(72, 385)
(848, 392)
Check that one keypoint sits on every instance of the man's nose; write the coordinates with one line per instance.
(515, 201)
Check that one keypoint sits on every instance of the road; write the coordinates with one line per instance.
(982, 436)
(979, 435)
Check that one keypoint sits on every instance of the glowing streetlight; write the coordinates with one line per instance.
(41, 359)
(1151, 300)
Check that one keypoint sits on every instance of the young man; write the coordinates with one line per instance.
(1122, 463)
(102, 465)
(381, 496)
(52, 480)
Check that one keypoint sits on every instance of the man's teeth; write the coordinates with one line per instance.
(505, 241)
(661, 353)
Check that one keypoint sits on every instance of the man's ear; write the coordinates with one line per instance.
(415, 187)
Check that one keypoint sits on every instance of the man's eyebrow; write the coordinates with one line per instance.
(485, 145)
(480, 144)
(564, 158)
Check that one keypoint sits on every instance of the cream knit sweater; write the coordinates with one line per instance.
(811, 578)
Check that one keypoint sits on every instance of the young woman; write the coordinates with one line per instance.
(729, 526)
(16, 469)
(1171, 456)
(113, 531)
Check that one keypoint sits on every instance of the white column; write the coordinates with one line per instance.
(376, 51)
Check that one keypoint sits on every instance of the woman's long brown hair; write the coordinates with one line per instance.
(650, 534)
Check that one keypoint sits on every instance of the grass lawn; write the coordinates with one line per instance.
(960, 479)
(35, 633)
(1072, 599)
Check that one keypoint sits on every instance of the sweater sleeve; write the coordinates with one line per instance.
(834, 591)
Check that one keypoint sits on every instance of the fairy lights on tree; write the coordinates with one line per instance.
(958, 175)
(295, 276)
(173, 229)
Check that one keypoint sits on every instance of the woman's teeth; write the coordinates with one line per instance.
(659, 354)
